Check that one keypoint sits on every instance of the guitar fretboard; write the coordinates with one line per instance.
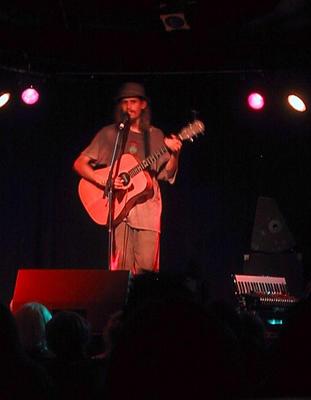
(147, 161)
(186, 133)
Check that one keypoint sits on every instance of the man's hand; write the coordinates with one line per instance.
(119, 184)
(173, 143)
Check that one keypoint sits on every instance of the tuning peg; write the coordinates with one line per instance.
(194, 114)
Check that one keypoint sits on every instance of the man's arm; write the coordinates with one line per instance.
(174, 145)
(83, 168)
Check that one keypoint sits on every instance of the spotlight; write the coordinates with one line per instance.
(296, 103)
(174, 21)
(30, 95)
(256, 101)
(4, 98)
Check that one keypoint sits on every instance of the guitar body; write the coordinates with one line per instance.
(96, 203)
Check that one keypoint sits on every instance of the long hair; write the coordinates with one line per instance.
(144, 120)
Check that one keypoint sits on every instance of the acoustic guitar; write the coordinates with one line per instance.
(137, 182)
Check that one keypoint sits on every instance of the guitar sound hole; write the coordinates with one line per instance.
(125, 178)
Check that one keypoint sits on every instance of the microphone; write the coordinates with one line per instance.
(125, 120)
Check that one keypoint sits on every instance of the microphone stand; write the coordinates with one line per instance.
(108, 191)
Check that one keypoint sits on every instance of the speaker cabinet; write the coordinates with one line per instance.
(270, 232)
(95, 294)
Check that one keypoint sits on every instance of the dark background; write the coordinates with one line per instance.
(77, 60)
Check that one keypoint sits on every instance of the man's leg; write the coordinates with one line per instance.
(123, 248)
(146, 251)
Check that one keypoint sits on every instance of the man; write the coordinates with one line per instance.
(137, 235)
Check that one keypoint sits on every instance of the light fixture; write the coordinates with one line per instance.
(256, 101)
(4, 98)
(296, 102)
(30, 95)
(174, 21)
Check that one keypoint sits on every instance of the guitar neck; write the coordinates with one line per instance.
(186, 133)
(148, 161)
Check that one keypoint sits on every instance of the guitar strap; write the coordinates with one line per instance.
(147, 142)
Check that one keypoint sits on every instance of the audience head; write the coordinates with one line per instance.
(68, 335)
(31, 320)
(170, 341)
(155, 287)
(9, 338)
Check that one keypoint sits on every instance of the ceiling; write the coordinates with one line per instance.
(70, 36)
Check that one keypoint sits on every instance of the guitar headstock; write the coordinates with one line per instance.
(192, 130)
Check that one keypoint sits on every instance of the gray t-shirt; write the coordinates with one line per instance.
(146, 213)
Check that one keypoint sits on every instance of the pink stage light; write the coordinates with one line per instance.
(30, 96)
(256, 101)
